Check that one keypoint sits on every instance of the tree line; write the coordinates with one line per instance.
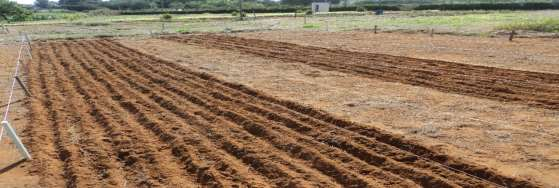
(80, 5)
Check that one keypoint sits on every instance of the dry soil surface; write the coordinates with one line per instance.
(533, 54)
(9, 156)
(110, 116)
(515, 138)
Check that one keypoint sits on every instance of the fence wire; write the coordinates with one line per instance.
(23, 42)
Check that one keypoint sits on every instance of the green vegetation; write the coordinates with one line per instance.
(94, 24)
(303, 12)
(57, 15)
(11, 11)
(484, 23)
(361, 9)
(311, 26)
(166, 17)
(184, 29)
(236, 14)
(544, 25)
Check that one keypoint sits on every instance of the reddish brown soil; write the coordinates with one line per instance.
(529, 54)
(111, 116)
(531, 88)
(13, 171)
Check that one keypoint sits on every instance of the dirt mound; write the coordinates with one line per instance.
(524, 87)
(106, 115)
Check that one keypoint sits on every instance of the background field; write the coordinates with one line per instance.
(482, 23)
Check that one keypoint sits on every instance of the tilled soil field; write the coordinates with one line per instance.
(110, 116)
(523, 87)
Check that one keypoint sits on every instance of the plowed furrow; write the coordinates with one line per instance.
(327, 133)
(46, 164)
(145, 122)
(89, 138)
(229, 144)
(326, 136)
(537, 89)
(195, 163)
(426, 66)
(385, 138)
(262, 167)
(76, 169)
(296, 122)
(326, 140)
(138, 150)
(240, 117)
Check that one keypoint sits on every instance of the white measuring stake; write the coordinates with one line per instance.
(27, 39)
(15, 139)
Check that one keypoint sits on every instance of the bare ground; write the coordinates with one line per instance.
(516, 139)
(531, 54)
(108, 115)
(18, 176)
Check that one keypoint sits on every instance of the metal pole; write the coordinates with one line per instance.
(241, 9)
(23, 86)
(511, 36)
(28, 40)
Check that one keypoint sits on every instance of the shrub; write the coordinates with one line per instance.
(80, 6)
(11, 11)
(545, 25)
(103, 12)
(166, 17)
(489, 6)
(304, 11)
(235, 13)
(311, 26)
(361, 9)
(183, 30)
(72, 17)
(97, 24)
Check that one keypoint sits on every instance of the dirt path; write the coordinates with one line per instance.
(134, 119)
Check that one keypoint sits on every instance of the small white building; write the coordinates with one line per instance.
(320, 7)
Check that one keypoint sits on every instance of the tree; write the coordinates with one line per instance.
(80, 5)
(177, 5)
(11, 11)
(296, 2)
(43, 4)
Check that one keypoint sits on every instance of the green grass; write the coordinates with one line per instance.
(544, 25)
(93, 24)
(480, 23)
(311, 26)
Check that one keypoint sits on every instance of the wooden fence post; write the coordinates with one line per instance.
(511, 36)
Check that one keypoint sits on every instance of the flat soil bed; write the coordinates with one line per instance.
(475, 121)
(111, 116)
